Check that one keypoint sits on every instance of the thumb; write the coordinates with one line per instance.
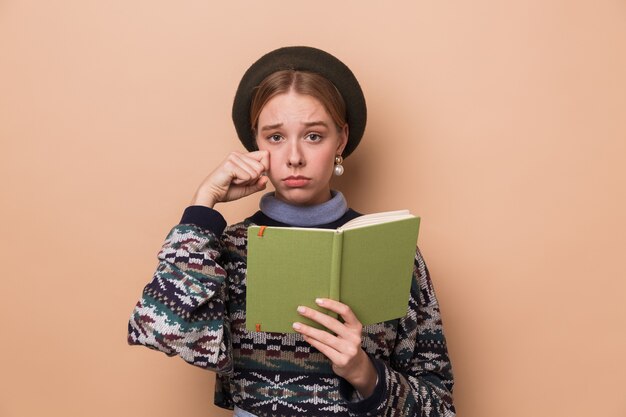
(259, 185)
(262, 182)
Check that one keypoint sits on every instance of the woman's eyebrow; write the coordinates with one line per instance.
(305, 124)
(271, 127)
(317, 123)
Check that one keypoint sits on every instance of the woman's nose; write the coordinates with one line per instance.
(296, 157)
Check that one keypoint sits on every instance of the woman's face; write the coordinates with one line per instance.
(302, 141)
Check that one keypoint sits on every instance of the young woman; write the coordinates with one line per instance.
(298, 111)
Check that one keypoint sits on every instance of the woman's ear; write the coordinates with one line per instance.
(343, 138)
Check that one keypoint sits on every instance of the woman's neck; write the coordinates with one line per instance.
(304, 216)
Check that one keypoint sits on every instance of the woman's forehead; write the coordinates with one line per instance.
(293, 107)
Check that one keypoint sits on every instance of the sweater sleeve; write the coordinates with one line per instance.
(182, 310)
(417, 379)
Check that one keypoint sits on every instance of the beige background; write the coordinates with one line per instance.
(503, 124)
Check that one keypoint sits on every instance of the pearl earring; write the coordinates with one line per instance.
(338, 167)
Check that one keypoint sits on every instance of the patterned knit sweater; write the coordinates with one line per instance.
(194, 307)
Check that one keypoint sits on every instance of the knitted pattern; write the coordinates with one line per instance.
(194, 307)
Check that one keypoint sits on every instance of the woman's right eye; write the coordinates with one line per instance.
(274, 138)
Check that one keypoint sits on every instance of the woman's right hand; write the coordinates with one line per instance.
(239, 175)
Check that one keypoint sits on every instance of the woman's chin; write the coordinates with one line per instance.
(302, 197)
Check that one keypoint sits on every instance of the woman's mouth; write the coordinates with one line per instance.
(296, 181)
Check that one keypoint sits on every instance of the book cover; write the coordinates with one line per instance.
(366, 264)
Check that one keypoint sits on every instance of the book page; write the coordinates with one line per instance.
(376, 218)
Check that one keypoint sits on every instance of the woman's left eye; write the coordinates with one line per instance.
(314, 137)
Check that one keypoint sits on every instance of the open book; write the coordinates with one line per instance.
(367, 264)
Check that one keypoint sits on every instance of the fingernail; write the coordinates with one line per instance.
(301, 309)
(319, 301)
(296, 326)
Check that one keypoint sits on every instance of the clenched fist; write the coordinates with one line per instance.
(239, 175)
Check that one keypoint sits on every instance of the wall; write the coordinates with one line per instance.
(501, 123)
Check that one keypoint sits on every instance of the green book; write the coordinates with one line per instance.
(367, 264)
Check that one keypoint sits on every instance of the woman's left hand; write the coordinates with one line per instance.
(344, 347)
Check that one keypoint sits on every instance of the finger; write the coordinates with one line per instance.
(333, 355)
(321, 337)
(242, 171)
(342, 309)
(262, 182)
(236, 191)
(259, 185)
(262, 157)
(324, 319)
(318, 334)
(244, 163)
(339, 351)
(332, 324)
(259, 161)
(265, 160)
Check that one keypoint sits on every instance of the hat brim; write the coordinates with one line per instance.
(301, 58)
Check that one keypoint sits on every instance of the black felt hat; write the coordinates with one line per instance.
(301, 58)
